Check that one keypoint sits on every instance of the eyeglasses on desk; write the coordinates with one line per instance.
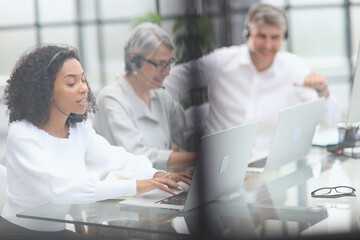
(334, 192)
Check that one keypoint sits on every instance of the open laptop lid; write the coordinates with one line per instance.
(220, 169)
(221, 165)
(330, 136)
(293, 133)
(354, 109)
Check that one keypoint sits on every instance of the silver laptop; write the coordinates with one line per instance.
(292, 138)
(354, 109)
(330, 136)
(220, 169)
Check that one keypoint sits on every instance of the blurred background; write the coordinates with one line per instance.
(323, 32)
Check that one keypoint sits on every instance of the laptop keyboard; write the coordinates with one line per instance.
(174, 199)
(258, 164)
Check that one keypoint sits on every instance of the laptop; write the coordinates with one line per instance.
(330, 136)
(292, 137)
(220, 169)
(354, 108)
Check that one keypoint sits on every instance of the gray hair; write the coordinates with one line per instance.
(264, 13)
(143, 42)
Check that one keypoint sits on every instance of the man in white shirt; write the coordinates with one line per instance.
(253, 81)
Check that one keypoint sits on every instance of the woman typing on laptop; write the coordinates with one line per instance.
(54, 155)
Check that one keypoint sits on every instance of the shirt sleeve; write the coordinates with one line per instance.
(183, 130)
(44, 172)
(100, 154)
(31, 160)
(124, 132)
(332, 113)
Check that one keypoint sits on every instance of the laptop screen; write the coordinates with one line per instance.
(354, 109)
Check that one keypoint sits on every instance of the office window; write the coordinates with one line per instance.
(12, 44)
(355, 30)
(87, 10)
(12, 14)
(319, 37)
(115, 36)
(61, 34)
(57, 11)
(90, 56)
(113, 9)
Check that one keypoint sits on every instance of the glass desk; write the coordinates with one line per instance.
(275, 204)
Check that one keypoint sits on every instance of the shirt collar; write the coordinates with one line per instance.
(140, 109)
(245, 60)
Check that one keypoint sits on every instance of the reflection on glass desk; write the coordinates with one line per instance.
(273, 204)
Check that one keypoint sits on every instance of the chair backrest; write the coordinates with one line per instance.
(3, 194)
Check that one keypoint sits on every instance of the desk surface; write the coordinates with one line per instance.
(272, 204)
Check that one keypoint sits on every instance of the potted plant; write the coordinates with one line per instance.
(193, 38)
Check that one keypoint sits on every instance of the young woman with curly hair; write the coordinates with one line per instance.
(53, 154)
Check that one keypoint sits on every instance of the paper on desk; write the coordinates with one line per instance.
(326, 137)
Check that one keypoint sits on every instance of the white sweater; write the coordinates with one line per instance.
(45, 169)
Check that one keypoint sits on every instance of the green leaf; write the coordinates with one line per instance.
(150, 17)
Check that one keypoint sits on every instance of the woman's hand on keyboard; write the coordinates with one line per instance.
(177, 176)
(161, 181)
(183, 177)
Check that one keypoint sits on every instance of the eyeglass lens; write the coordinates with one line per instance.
(163, 65)
(340, 189)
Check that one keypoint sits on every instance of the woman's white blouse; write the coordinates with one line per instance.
(42, 169)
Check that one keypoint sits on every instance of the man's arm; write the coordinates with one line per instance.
(194, 74)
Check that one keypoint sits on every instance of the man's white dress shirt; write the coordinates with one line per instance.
(238, 93)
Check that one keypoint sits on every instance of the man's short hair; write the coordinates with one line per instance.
(263, 13)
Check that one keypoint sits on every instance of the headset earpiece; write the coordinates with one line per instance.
(246, 32)
(286, 34)
(136, 62)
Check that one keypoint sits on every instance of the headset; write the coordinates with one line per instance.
(136, 62)
(76, 117)
(264, 8)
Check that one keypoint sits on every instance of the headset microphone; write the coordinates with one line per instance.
(137, 64)
(76, 117)
(149, 80)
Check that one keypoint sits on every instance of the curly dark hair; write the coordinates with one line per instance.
(30, 87)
